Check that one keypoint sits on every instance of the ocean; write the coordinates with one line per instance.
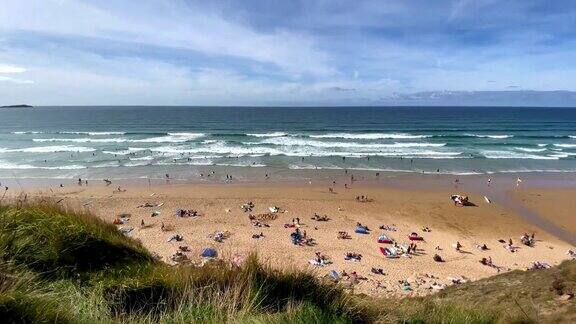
(139, 142)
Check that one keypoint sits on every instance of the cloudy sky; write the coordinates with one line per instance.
(266, 52)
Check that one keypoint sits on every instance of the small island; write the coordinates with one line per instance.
(17, 106)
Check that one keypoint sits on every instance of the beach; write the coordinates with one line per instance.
(405, 204)
(518, 169)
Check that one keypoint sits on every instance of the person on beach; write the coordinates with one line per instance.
(518, 181)
(457, 246)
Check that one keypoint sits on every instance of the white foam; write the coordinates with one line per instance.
(81, 140)
(370, 136)
(136, 164)
(490, 136)
(50, 149)
(171, 138)
(273, 134)
(106, 165)
(28, 132)
(566, 145)
(12, 166)
(256, 165)
(525, 149)
(143, 158)
(130, 150)
(93, 133)
(289, 141)
(572, 136)
(514, 155)
(560, 155)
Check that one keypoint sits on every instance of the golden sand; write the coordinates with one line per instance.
(408, 210)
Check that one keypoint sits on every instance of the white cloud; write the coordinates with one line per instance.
(174, 24)
(11, 69)
(14, 80)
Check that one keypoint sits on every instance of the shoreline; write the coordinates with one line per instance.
(502, 189)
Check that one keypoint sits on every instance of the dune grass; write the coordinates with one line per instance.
(58, 265)
(70, 266)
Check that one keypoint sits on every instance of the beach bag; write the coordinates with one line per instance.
(209, 253)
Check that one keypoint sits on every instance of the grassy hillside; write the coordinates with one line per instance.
(60, 266)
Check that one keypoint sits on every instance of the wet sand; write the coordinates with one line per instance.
(394, 202)
(556, 205)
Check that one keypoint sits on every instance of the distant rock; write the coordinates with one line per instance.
(17, 106)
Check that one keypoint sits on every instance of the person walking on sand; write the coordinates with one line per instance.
(489, 181)
(518, 182)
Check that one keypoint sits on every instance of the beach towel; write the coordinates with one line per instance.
(315, 262)
(209, 253)
(273, 209)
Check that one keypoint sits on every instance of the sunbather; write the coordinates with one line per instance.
(438, 258)
(482, 247)
(353, 256)
(179, 257)
(342, 235)
(146, 205)
(175, 237)
(388, 228)
(258, 236)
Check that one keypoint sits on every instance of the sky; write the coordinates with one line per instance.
(292, 53)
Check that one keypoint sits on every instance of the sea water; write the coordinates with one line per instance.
(136, 142)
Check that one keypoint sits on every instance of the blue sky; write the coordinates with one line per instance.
(266, 52)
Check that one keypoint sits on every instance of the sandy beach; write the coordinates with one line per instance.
(407, 210)
(557, 205)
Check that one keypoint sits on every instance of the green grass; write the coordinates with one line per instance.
(58, 265)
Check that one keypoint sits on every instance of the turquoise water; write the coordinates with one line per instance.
(136, 142)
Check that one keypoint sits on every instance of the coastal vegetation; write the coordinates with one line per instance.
(62, 265)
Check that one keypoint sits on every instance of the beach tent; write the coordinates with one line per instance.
(384, 239)
(209, 253)
(361, 230)
(389, 252)
(334, 275)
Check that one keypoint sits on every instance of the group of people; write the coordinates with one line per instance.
(527, 240)
(299, 237)
(187, 213)
(362, 198)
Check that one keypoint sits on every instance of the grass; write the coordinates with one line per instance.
(58, 265)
